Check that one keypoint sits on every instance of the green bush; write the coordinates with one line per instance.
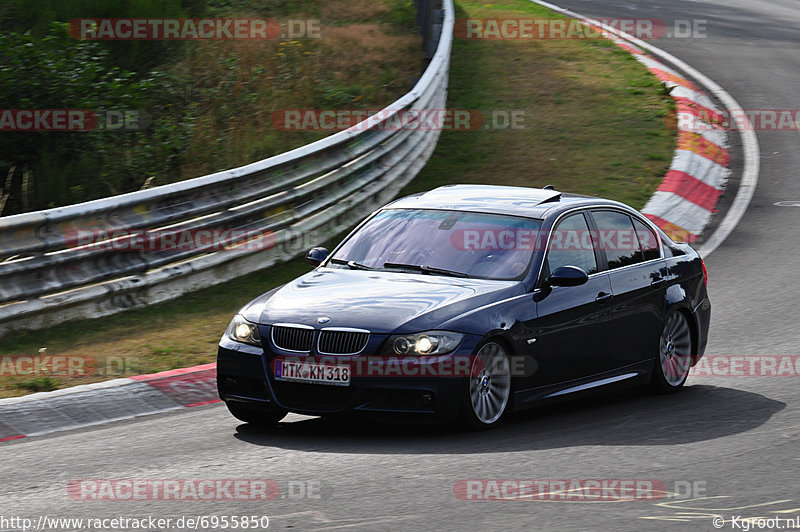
(211, 102)
(37, 16)
(45, 169)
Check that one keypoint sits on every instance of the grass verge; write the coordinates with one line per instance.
(594, 123)
(595, 120)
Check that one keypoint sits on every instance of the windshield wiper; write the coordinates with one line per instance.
(353, 265)
(425, 269)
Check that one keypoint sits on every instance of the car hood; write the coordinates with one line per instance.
(381, 302)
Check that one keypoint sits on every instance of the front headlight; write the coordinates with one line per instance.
(425, 343)
(241, 330)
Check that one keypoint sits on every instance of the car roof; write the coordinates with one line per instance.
(493, 199)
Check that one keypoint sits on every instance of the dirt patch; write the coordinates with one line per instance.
(352, 10)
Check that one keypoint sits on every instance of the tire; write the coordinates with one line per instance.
(488, 390)
(674, 358)
(265, 417)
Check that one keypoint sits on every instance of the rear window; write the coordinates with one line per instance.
(618, 238)
(648, 240)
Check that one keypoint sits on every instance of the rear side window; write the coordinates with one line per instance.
(571, 245)
(616, 235)
(648, 240)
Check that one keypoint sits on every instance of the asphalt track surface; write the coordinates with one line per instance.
(734, 439)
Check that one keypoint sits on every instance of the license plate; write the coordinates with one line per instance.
(332, 374)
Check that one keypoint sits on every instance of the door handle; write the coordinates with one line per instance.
(603, 297)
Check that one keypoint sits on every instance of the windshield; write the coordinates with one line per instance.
(462, 244)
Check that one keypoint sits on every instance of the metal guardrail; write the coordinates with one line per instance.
(430, 17)
(312, 192)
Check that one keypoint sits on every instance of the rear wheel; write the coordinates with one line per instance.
(260, 417)
(488, 391)
(674, 355)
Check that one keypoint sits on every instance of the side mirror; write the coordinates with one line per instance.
(568, 276)
(315, 256)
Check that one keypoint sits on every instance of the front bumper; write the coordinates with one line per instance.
(423, 388)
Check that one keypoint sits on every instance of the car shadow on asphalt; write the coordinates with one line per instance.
(630, 417)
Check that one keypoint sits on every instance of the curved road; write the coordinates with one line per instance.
(726, 446)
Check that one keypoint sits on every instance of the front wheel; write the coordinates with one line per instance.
(255, 416)
(488, 391)
(674, 355)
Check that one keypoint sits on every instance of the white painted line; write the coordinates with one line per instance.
(749, 181)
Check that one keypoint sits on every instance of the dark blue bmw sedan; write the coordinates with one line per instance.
(467, 303)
